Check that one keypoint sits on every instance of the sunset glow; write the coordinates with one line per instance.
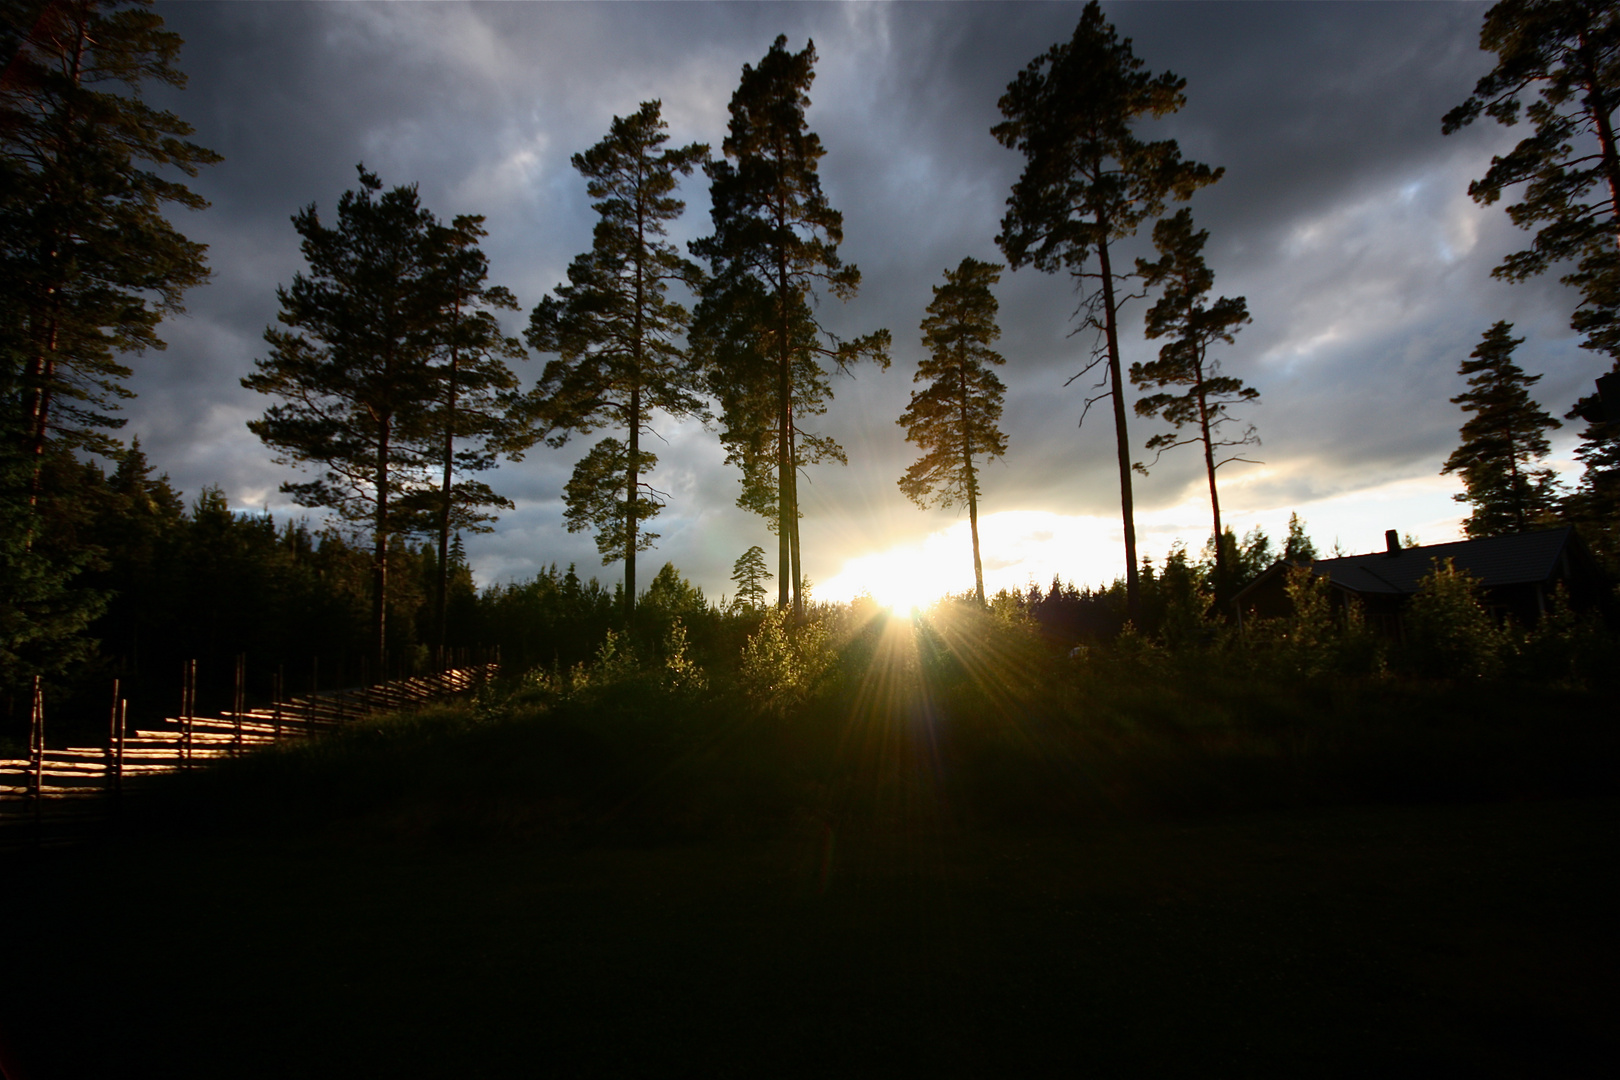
(1018, 548)
(1025, 547)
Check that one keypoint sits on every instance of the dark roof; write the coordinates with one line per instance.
(1523, 558)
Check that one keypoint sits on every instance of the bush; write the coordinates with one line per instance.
(681, 673)
(1449, 633)
(784, 664)
(1565, 648)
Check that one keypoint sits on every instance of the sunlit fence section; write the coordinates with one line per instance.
(55, 795)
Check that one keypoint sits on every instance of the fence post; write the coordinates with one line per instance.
(123, 723)
(276, 692)
(314, 685)
(188, 704)
(112, 738)
(36, 741)
(238, 700)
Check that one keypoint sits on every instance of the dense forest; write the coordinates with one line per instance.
(388, 389)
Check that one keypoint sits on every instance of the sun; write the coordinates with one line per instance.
(901, 579)
(905, 597)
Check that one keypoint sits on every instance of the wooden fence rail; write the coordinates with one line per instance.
(52, 796)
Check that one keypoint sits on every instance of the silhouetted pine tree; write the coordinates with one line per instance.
(621, 357)
(1184, 314)
(775, 241)
(88, 263)
(956, 417)
(89, 266)
(1567, 54)
(1088, 181)
(475, 415)
(354, 366)
(1558, 67)
(1501, 442)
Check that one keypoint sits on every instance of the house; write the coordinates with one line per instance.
(1518, 573)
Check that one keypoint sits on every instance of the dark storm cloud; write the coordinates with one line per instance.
(1343, 218)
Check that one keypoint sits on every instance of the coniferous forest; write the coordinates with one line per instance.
(1015, 829)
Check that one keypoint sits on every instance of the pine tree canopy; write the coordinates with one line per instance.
(88, 262)
(954, 419)
(1184, 314)
(750, 574)
(619, 339)
(89, 267)
(353, 366)
(775, 243)
(596, 500)
(1567, 54)
(474, 415)
(1089, 180)
(1502, 440)
(617, 334)
(388, 292)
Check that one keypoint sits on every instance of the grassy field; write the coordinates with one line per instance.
(909, 876)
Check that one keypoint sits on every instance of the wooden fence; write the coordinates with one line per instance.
(57, 795)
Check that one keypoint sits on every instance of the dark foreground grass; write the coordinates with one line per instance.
(1470, 940)
(1112, 876)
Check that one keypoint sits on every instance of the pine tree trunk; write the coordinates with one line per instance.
(972, 484)
(39, 413)
(1597, 101)
(633, 480)
(978, 567)
(441, 614)
(793, 479)
(44, 366)
(1513, 481)
(1133, 599)
(632, 486)
(379, 574)
(786, 509)
(1223, 584)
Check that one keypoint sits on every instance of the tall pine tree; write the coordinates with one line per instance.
(618, 337)
(1558, 67)
(354, 369)
(775, 242)
(476, 415)
(1501, 441)
(1089, 181)
(89, 267)
(955, 418)
(88, 262)
(1567, 54)
(1184, 314)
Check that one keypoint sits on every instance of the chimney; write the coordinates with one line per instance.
(1392, 541)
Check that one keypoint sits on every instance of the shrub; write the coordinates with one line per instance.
(1185, 602)
(1566, 647)
(681, 673)
(1313, 641)
(784, 664)
(1448, 631)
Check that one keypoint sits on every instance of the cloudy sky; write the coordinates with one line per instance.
(1343, 218)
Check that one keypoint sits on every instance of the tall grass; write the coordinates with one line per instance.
(959, 718)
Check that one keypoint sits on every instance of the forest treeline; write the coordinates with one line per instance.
(389, 385)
